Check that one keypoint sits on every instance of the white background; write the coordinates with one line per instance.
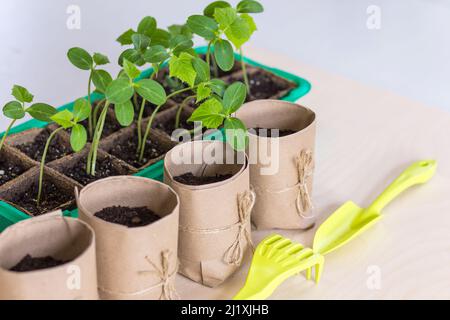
(409, 55)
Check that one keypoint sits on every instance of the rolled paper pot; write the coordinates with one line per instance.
(281, 169)
(50, 235)
(215, 230)
(140, 262)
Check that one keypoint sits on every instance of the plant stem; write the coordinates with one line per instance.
(44, 155)
(244, 71)
(6, 133)
(97, 107)
(180, 109)
(208, 53)
(97, 137)
(150, 121)
(90, 120)
(139, 124)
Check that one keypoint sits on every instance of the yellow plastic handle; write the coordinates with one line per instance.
(418, 173)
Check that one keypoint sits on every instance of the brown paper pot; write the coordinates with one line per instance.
(214, 218)
(133, 263)
(16, 160)
(64, 239)
(283, 195)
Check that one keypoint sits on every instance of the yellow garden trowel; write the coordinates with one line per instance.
(277, 258)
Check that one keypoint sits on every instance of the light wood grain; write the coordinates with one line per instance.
(365, 138)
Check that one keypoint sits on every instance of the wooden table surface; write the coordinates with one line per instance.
(365, 138)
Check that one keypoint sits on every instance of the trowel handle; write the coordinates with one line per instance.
(418, 173)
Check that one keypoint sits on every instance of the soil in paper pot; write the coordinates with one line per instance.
(130, 217)
(29, 263)
(192, 180)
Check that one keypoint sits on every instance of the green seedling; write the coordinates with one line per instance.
(81, 59)
(223, 26)
(16, 109)
(119, 92)
(215, 112)
(78, 136)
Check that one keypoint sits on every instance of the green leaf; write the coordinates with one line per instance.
(180, 29)
(81, 110)
(224, 55)
(147, 26)
(101, 80)
(209, 113)
(241, 30)
(130, 69)
(22, 94)
(236, 133)
(100, 59)
(181, 67)
(218, 86)
(210, 9)
(42, 112)
(250, 6)
(78, 137)
(202, 69)
(203, 92)
(125, 38)
(131, 55)
(156, 54)
(234, 97)
(13, 110)
(80, 58)
(204, 26)
(63, 118)
(151, 91)
(119, 91)
(124, 113)
(180, 43)
(161, 37)
(225, 16)
(140, 41)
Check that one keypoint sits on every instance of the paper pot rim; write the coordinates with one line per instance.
(44, 219)
(285, 103)
(118, 226)
(210, 186)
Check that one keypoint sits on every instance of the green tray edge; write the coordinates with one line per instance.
(10, 215)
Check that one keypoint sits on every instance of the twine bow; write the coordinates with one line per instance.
(168, 291)
(234, 254)
(305, 165)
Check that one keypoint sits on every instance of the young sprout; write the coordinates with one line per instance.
(214, 112)
(119, 92)
(16, 109)
(78, 137)
(221, 25)
(81, 59)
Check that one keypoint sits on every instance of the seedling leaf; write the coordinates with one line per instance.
(42, 112)
(225, 16)
(210, 9)
(140, 41)
(209, 113)
(124, 113)
(151, 91)
(100, 59)
(234, 97)
(78, 137)
(182, 68)
(250, 6)
(63, 118)
(119, 91)
(80, 58)
(131, 55)
(161, 37)
(130, 69)
(224, 55)
(203, 92)
(202, 69)
(81, 110)
(13, 110)
(236, 133)
(180, 43)
(147, 26)
(156, 54)
(125, 38)
(101, 79)
(22, 94)
(204, 26)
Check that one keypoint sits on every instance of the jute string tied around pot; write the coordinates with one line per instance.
(235, 252)
(304, 163)
(168, 290)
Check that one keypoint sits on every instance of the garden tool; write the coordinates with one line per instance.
(277, 258)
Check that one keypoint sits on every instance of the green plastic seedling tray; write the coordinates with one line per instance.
(10, 215)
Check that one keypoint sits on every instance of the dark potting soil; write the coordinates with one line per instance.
(266, 132)
(35, 149)
(192, 180)
(130, 217)
(168, 126)
(9, 170)
(28, 263)
(262, 85)
(126, 150)
(103, 169)
(52, 198)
